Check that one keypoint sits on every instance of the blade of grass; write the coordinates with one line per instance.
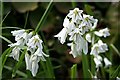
(20, 73)
(116, 72)
(85, 66)
(26, 19)
(92, 66)
(7, 40)
(115, 49)
(19, 63)
(44, 16)
(74, 72)
(10, 27)
(5, 17)
(5, 55)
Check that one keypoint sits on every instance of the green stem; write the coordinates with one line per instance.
(85, 66)
(18, 72)
(74, 72)
(26, 19)
(92, 66)
(44, 16)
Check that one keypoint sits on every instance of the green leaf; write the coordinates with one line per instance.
(85, 66)
(74, 72)
(115, 49)
(44, 16)
(7, 40)
(25, 6)
(116, 72)
(19, 63)
(5, 55)
(20, 73)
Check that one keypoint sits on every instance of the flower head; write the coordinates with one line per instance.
(107, 62)
(102, 32)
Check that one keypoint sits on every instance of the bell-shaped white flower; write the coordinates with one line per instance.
(15, 53)
(90, 22)
(18, 32)
(102, 32)
(41, 54)
(95, 49)
(74, 50)
(27, 61)
(62, 35)
(75, 14)
(34, 42)
(102, 46)
(107, 62)
(34, 64)
(99, 47)
(97, 60)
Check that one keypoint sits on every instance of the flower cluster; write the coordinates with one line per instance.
(76, 24)
(81, 30)
(33, 44)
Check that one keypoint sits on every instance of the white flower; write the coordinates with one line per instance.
(75, 14)
(107, 62)
(90, 22)
(40, 54)
(78, 45)
(99, 47)
(18, 32)
(34, 64)
(102, 46)
(97, 60)
(15, 53)
(33, 43)
(62, 35)
(102, 32)
(74, 50)
(27, 61)
(95, 49)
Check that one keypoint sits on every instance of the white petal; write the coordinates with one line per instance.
(27, 60)
(88, 37)
(85, 47)
(62, 35)
(34, 68)
(107, 62)
(98, 33)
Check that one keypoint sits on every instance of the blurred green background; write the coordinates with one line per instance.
(27, 15)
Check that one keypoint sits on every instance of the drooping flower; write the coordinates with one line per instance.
(107, 62)
(62, 35)
(102, 32)
(97, 60)
(99, 47)
(15, 53)
(27, 40)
